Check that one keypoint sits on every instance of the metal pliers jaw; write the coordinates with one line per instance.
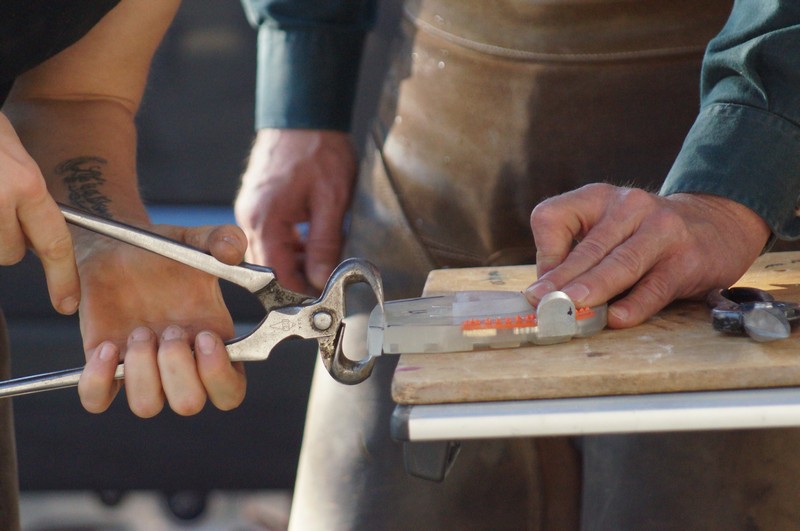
(339, 366)
(321, 319)
(752, 311)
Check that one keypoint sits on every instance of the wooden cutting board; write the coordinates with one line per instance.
(676, 350)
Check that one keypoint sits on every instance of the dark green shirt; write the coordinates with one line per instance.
(745, 143)
(309, 53)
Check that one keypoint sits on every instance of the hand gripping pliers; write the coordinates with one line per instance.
(289, 314)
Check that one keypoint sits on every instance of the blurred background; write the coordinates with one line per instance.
(232, 470)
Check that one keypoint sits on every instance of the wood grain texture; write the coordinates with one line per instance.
(676, 350)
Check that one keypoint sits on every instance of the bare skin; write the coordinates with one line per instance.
(662, 248)
(159, 328)
(296, 176)
(30, 217)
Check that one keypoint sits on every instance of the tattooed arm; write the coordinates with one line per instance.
(75, 116)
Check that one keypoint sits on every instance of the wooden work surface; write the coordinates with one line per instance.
(676, 350)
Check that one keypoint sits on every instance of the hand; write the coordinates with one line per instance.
(152, 312)
(297, 176)
(30, 216)
(665, 248)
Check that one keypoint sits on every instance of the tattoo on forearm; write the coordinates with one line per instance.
(84, 177)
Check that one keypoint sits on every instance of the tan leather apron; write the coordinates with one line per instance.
(491, 106)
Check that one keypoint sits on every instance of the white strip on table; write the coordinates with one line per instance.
(712, 410)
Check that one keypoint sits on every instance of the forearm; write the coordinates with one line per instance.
(80, 104)
(86, 152)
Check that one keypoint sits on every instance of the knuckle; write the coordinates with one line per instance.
(631, 200)
(32, 186)
(28, 164)
(543, 212)
(146, 407)
(692, 260)
(602, 189)
(635, 196)
(229, 402)
(627, 201)
(655, 292)
(92, 400)
(628, 260)
(226, 386)
(11, 255)
(188, 405)
(212, 373)
(666, 222)
(93, 405)
(545, 216)
(28, 189)
(592, 249)
(57, 248)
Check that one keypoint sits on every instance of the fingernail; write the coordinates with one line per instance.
(539, 289)
(140, 334)
(108, 351)
(577, 292)
(206, 343)
(172, 332)
(69, 305)
(619, 313)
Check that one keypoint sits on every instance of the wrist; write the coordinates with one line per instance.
(752, 229)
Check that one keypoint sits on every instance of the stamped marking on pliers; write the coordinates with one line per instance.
(284, 325)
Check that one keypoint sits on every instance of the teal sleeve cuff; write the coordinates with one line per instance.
(307, 77)
(745, 154)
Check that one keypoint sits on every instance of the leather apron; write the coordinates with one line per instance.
(488, 108)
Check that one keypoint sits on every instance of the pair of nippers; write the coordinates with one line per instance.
(289, 314)
(752, 311)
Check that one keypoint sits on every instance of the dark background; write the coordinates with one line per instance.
(196, 120)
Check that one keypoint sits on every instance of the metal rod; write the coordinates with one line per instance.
(47, 382)
(252, 277)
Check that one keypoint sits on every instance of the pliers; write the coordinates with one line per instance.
(288, 314)
(754, 311)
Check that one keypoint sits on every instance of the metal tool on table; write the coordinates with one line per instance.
(468, 320)
(752, 311)
(289, 314)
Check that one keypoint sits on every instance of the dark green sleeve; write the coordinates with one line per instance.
(309, 52)
(745, 143)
